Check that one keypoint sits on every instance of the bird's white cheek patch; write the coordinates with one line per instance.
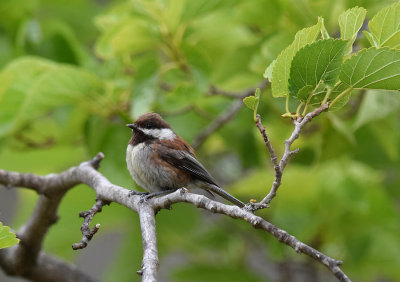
(164, 133)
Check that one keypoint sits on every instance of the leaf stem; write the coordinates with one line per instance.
(309, 98)
(287, 104)
(328, 93)
(299, 108)
(308, 101)
(340, 96)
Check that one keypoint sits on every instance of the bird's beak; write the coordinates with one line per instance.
(132, 125)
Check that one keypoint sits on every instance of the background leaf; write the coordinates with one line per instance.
(50, 86)
(375, 106)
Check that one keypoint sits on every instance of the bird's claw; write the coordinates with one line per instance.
(145, 196)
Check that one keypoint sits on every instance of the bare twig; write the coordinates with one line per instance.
(272, 154)
(227, 115)
(216, 124)
(299, 124)
(85, 228)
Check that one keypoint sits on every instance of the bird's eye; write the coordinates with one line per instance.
(147, 125)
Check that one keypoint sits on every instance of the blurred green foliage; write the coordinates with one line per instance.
(74, 72)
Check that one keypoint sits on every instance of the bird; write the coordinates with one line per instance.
(160, 161)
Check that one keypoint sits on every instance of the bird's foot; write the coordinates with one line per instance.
(147, 196)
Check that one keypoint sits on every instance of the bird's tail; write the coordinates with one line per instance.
(221, 192)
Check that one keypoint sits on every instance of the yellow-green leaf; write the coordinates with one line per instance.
(7, 238)
(281, 70)
(269, 70)
(373, 69)
(350, 23)
(252, 101)
(385, 26)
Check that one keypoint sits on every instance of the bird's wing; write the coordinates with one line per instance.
(188, 163)
(185, 161)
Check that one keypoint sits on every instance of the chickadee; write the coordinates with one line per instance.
(160, 161)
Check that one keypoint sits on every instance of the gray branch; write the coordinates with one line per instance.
(227, 115)
(149, 238)
(46, 269)
(219, 122)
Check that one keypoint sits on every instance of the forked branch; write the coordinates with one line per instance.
(299, 124)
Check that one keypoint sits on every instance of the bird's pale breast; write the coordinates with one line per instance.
(150, 175)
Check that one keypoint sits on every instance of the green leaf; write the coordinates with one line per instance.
(339, 89)
(370, 38)
(373, 69)
(319, 61)
(324, 32)
(318, 94)
(350, 23)
(252, 102)
(269, 70)
(281, 70)
(305, 92)
(129, 36)
(376, 106)
(271, 48)
(7, 238)
(385, 26)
